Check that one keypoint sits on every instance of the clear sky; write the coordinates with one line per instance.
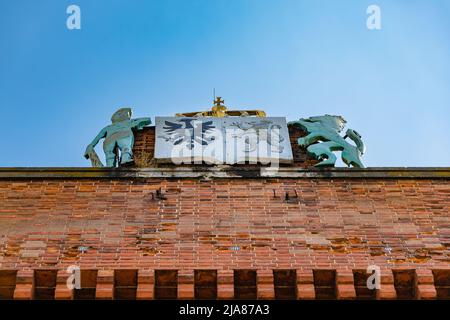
(298, 58)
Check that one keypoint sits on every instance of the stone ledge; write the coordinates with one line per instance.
(223, 172)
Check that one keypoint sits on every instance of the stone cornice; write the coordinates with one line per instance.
(223, 172)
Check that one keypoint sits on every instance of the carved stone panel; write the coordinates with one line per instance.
(228, 140)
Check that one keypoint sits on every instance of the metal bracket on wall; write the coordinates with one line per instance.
(291, 198)
(158, 195)
(287, 196)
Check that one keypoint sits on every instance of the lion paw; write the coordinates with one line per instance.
(301, 142)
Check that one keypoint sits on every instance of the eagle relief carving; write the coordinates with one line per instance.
(188, 131)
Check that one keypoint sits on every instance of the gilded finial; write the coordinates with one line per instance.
(218, 102)
(219, 110)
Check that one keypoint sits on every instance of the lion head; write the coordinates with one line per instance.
(336, 123)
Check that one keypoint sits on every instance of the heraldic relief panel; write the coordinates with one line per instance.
(227, 140)
(223, 136)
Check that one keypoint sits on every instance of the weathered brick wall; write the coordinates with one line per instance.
(325, 230)
(144, 147)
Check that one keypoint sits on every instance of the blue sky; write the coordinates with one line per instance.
(59, 87)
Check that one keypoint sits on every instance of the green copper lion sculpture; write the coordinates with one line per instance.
(325, 130)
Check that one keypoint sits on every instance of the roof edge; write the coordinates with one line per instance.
(224, 172)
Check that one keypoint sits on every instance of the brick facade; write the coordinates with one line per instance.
(141, 237)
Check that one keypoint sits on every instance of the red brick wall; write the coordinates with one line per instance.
(144, 146)
(332, 224)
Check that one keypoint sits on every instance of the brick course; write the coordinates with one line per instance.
(226, 224)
